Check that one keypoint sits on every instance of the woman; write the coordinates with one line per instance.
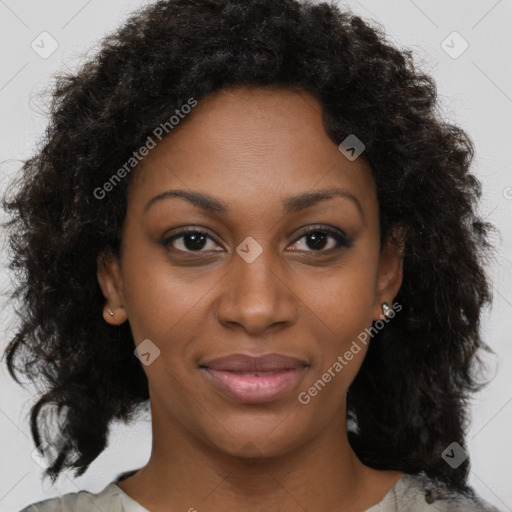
(249, 214)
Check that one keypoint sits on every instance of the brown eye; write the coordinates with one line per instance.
(319, 239)
(190, 240)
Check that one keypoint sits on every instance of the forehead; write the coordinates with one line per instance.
(253, 146)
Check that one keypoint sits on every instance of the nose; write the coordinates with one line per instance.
(256, 295)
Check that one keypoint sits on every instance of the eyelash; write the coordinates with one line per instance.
(342, 241)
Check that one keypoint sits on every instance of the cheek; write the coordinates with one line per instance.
(160, 308)
(163, 304)
(344, 299)
(341, 308)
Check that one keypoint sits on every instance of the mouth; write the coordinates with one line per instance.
(251, 380)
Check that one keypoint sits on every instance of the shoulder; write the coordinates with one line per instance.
(108, 499)
(420, 493)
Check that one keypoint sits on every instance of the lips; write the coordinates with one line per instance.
(251, 380)
(241, 363)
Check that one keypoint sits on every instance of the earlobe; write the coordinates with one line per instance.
(113, 317)
(111, 284)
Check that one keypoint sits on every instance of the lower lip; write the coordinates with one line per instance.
(252, 389)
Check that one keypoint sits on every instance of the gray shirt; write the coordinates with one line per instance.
(411, 493)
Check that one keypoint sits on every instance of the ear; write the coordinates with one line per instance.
(390, 274)
(111, 284)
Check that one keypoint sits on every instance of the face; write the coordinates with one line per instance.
(249, 165)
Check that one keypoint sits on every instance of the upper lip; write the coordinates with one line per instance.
(246, 363)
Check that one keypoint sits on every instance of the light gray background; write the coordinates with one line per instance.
(475, 91)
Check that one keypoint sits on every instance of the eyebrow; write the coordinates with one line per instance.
(291, 204)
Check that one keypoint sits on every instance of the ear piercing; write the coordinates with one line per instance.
(386, 309)
(110, 312)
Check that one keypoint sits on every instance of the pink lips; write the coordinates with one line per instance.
(250, 379)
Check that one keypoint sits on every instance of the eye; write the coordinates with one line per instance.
(191, 240)
(317, 238)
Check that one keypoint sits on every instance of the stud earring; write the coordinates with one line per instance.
(386, 309)
(110, 312)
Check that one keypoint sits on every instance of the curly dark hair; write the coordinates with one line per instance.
(411, 394)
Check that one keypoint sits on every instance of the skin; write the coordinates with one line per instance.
(251, 148)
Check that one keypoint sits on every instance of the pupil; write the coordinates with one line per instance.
(197, 239)
(318, 240)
